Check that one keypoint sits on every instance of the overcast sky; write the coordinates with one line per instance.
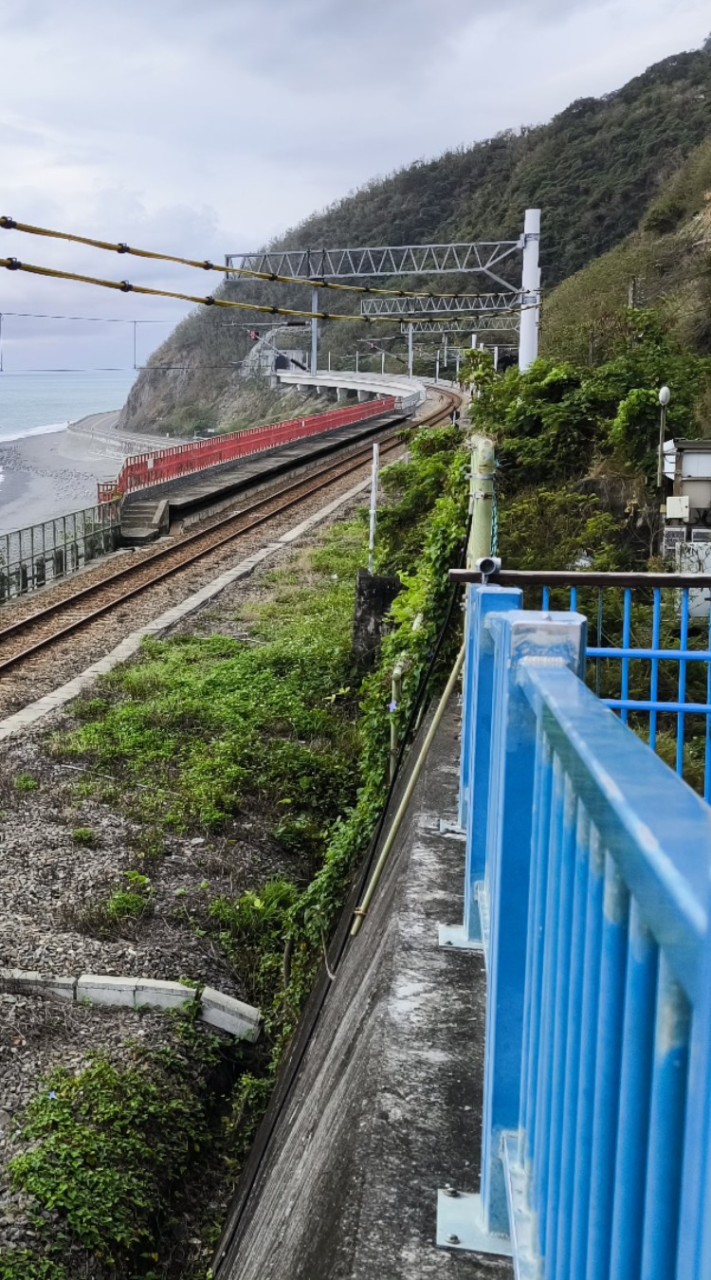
(202, 128)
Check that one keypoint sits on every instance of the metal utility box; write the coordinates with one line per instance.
(678, 509)
(692, 476)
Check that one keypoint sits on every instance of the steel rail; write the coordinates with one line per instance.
(197, 545)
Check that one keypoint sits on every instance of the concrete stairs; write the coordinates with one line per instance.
(144, 519)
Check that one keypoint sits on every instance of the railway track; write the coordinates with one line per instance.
(38, 632)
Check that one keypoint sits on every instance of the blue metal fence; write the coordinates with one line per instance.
(588, 885)
(649, 657)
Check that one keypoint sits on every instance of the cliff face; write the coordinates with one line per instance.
(594, 170)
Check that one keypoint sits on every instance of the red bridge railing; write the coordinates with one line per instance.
(146, 469)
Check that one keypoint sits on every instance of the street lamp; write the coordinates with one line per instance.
(664, 398)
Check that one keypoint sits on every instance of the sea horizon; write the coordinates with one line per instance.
(39, 403)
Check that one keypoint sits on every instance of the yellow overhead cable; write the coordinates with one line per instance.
(125, 286)
(9, 224)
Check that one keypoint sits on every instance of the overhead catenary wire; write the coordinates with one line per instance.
(42, 315)
(10, 224)
(125, 286)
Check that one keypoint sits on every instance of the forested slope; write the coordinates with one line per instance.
(594, 170)
(665, 264)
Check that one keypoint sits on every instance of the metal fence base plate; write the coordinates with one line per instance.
(451, 829)
(453, 936)
(528, 1264)
(460, 1225)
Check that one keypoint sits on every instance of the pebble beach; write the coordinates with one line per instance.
(51, 473)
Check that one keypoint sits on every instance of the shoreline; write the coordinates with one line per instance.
(52, 473)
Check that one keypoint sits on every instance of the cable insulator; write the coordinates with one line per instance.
(126, 286)
(122, 248)
(13, 264)
(208, 266)
(8, 223)
(209, 300)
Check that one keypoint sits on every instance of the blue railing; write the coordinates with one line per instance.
(588, 885)
(649, 657)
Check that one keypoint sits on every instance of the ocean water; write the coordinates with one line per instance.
(34, 403)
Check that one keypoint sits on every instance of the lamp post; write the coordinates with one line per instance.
(664, 398)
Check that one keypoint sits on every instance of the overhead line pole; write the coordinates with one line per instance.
(531, 291)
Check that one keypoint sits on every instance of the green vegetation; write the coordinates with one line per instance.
(85, 836)
(108, 1150)
(127, 905)
(22, 1264)
(215, 725)
(25, 783)
(278, 939)
(283, 729)
(663, 264)
(556, 422)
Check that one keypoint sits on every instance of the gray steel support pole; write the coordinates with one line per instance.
(496, 357)
(410, 350)
(437, 367)
(357, 358)
(530, 291)
(373, 508)
(446, 350)
(314, 332)
(382, 362)
(660, 452)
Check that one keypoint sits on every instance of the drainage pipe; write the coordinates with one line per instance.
(361, 911)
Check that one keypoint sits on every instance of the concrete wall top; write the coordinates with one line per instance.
(378, 384)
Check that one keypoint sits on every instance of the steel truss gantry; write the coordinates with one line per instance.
(319, 266)
(382, 260)
(477, 324)
(460, 303)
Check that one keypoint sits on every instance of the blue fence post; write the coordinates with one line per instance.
(694, 1247)
(482, 601)
(519, 637)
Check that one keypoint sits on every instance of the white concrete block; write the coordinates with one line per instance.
(28, 982)
(98, 989)
(18, 980)
(58, 988)
(160, 994)
(241, 1020)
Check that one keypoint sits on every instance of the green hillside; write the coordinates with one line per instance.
(665, 264)
(594, 170)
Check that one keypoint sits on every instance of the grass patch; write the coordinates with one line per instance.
(85, 837)
(211, 726)
(24, 783)
(131, 904)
